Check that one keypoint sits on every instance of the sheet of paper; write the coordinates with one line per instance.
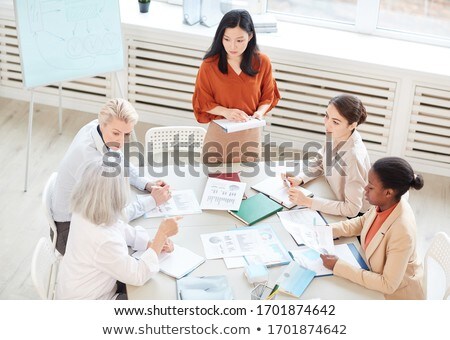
(222, 195)
(183, 202)
(230, 243)
(293, 218)
(310, 258)
(258, 244)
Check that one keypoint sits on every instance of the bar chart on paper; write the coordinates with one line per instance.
(222, 195)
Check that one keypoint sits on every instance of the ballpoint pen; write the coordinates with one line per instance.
(287, 182)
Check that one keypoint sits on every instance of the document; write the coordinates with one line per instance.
(222, 195)
(309, 258)
(178, 263)
(183, 202)
(292, 218)
(317, 237)
(232, 126)
(276, 189)
(260, 241)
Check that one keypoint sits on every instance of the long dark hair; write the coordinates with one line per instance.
(232, 19)
(350, 107)
(396, 173)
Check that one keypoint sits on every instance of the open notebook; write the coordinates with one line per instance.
(178, 263)
(276, 189)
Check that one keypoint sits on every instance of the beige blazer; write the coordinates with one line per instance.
(347, 179)
(391, 255)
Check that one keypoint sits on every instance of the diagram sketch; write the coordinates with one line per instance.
(68, 39)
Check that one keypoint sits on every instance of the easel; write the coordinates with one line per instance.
(30, 120)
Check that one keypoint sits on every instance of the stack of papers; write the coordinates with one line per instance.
(232, 126)
(264, 23)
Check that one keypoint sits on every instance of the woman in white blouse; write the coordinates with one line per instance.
(343, 161)
(97, 249)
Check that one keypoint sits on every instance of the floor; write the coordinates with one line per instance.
(22, 219)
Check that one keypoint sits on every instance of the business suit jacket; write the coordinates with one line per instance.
(347, 180)
(391, 254)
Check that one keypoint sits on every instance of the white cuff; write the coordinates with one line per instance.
(141, 238)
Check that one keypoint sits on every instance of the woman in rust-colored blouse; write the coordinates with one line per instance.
(234, 82)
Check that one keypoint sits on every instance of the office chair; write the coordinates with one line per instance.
(44, 268)
(47, 204)
(162, 140)
(437, 268)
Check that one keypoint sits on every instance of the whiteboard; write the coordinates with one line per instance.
(62, 40)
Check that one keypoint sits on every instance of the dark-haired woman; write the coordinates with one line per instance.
(343, 160)
(234, 82)
(388, 234)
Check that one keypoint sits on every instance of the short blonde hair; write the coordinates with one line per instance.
(100, 196)
(118, 108)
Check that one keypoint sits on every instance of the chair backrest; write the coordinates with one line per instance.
(437, 268)
(163, 139)
(47, 204)
(44, 268)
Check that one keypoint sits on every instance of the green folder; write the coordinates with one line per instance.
(256, 208)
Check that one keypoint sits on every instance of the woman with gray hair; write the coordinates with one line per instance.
(97, 249)
(94, 141)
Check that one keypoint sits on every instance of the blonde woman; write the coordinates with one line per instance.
(97, 249)
(110, 131)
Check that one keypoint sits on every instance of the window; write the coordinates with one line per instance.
(425, 17)
(417, 20)
(343, 11)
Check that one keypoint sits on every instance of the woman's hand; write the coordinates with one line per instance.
(168, 246)
(329, 261)
(235, 115)
(299, 198)
(169, 226)
(294, 181)
(161, 194)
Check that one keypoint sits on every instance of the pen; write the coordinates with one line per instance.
(273, 292)
(287, 182)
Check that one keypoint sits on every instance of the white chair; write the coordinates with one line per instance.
(437, 268)
(47, 203)
(44, 268)
(162, 140)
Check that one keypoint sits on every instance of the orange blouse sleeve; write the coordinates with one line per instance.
(269, 90)
(203, 99)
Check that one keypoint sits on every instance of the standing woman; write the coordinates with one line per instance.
(234, 82)
(388, 234)
(344, 162)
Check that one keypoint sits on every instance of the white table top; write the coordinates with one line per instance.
(192, 226)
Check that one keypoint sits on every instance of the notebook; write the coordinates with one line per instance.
(230, 126)
(204, 288)
(178, 263)
(310, 258)
(255, 209)
(276, 189)
(294, 279)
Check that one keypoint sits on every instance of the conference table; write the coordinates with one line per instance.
(163, 287)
